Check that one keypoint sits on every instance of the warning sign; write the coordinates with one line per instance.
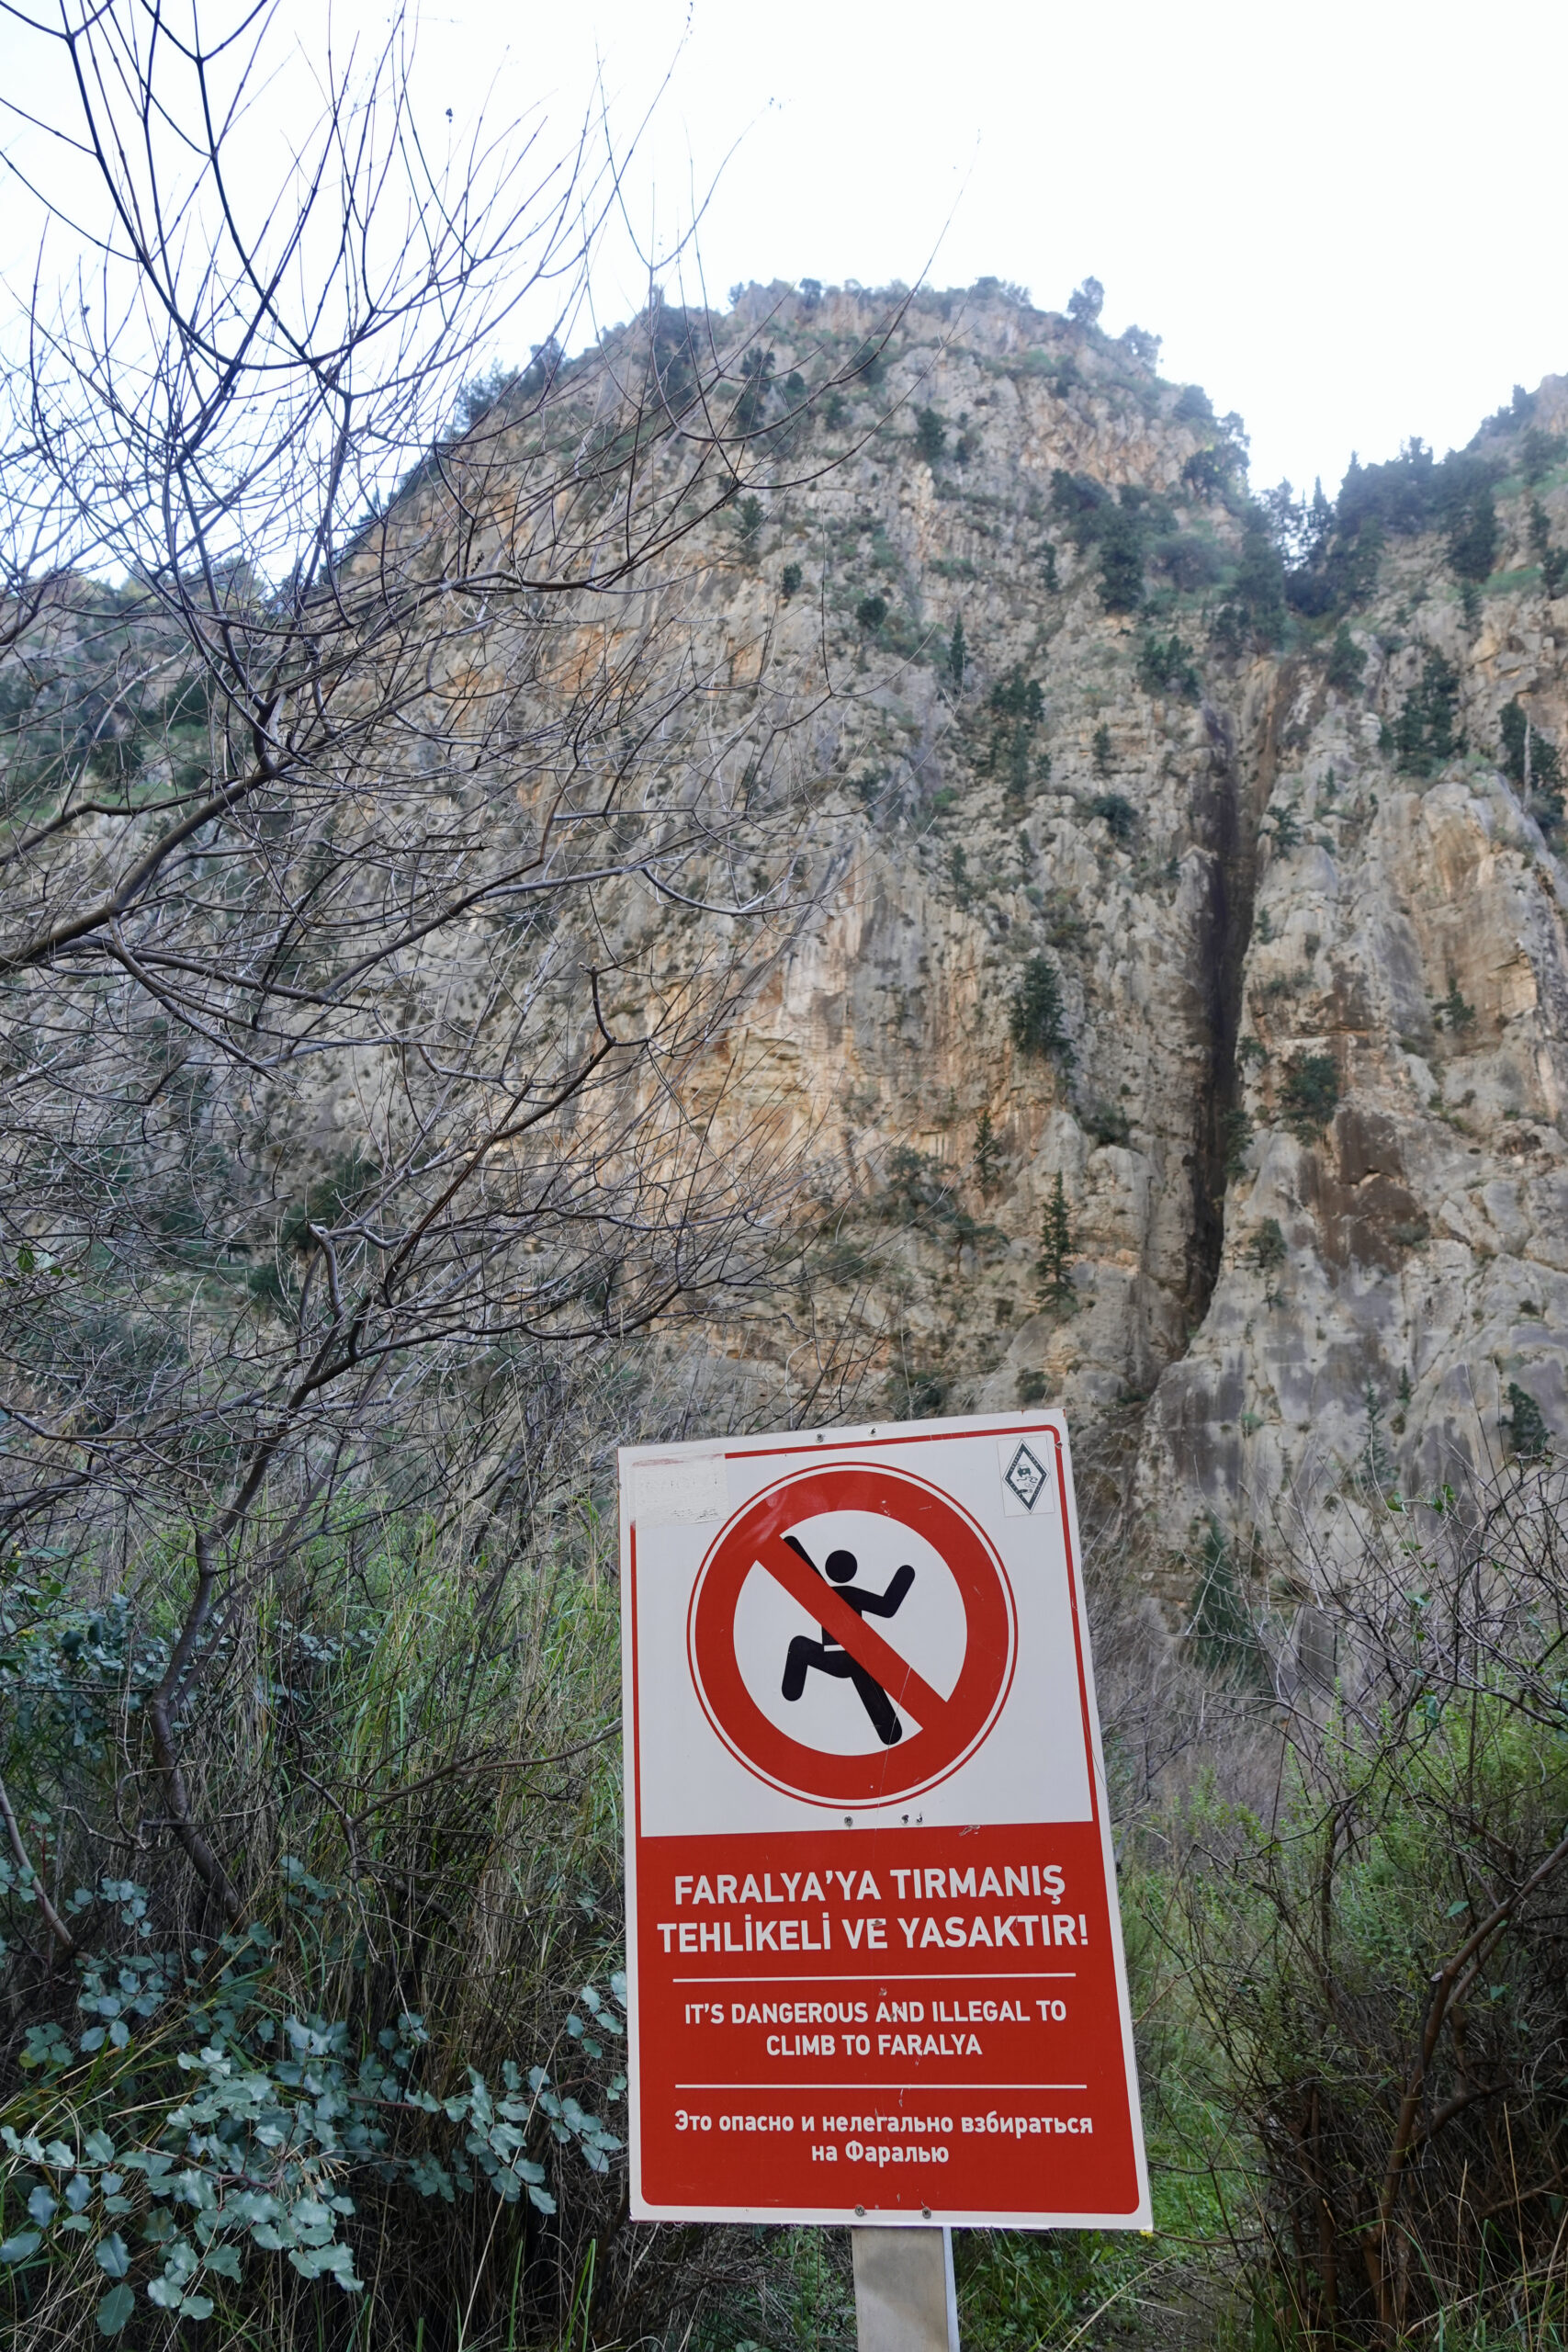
(872, 1943)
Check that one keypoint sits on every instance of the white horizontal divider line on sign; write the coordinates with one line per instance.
(970, 1976)
(927, 2090)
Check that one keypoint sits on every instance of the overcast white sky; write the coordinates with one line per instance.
(1346, 220)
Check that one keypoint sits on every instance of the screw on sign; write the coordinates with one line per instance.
(873, 1945)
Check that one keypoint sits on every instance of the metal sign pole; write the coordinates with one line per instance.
(905, 2299)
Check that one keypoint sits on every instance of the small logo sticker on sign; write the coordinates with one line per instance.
(1025, 1476)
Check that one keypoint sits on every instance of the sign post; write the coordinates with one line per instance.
(874, 1953)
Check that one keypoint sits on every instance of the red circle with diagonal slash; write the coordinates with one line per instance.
(949, 1729)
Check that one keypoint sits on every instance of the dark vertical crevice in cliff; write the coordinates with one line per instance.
(1226, 814)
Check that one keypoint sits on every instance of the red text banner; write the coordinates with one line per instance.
(925, 2022)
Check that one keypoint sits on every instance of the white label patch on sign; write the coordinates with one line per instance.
(682, 1493)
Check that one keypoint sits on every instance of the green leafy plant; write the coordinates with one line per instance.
(1118, 526)
(1540, 451)
(1208, 473)
(1268, 1248)
(1527, 1433)
(790, 578)
(1471, 531)
(247, 2123)
(1235, 1136)
(1286, 829)
(870, 612)
(1452, 1010)
(1309, 1094)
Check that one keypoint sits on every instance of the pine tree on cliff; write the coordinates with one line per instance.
(1034, 1018)
(1056, 1253)
(988, 1154)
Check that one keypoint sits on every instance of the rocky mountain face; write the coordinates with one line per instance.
(1188, 991)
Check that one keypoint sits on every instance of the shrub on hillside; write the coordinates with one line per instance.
(1165, 667)
(1116, 813)
(931, 435)
(1309, 1095)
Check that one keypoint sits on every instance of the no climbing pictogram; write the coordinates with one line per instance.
(785, 1610)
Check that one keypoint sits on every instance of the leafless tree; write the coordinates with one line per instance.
(358, 1027)
(1378, 1951)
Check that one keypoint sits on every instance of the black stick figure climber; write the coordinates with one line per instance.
(829, 1658)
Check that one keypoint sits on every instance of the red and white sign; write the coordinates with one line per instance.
(871, 1936)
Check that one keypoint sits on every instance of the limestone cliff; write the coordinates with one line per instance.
(1298, 1055)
